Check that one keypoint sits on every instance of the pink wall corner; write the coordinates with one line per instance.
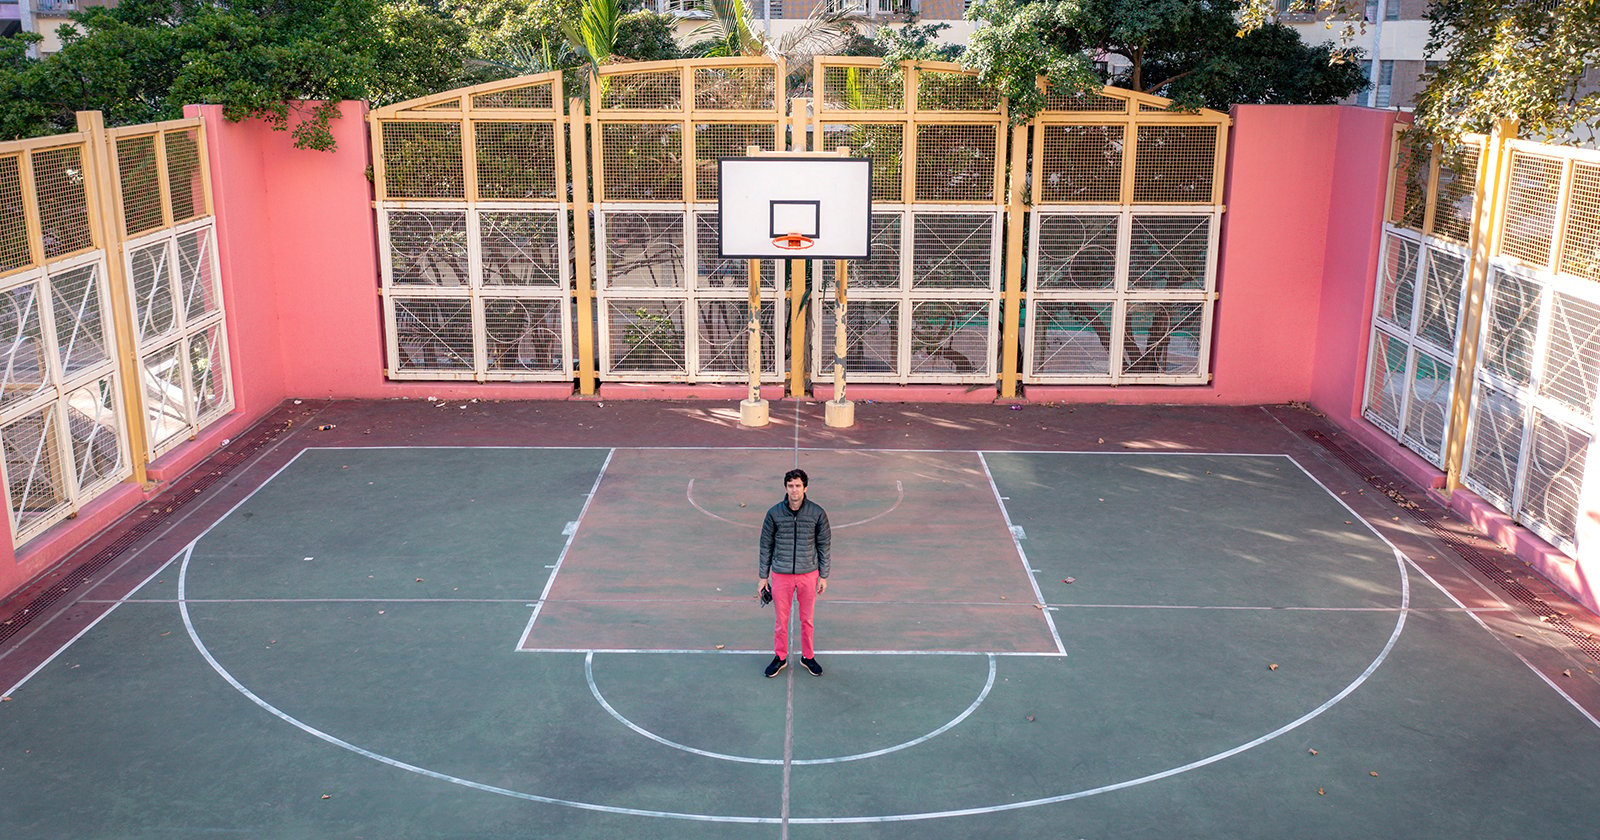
(324, 264)
(241, 200)
(1571, 575)
(1354, 240)
(1270, 274)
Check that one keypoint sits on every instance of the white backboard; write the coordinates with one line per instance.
(828, 199)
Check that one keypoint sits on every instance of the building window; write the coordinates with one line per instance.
(1372, 11)
(1385, 83)
(1391, 10)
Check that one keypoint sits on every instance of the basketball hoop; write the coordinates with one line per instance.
(793, 241)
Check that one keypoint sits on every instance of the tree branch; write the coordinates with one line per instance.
(1167, 81)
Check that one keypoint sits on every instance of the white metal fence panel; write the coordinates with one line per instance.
(1120, 295)
(1415, 336)
(477, 291)
(926, 307)
(1533, 425)
(673, 309)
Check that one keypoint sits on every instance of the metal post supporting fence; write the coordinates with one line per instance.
(840, 412)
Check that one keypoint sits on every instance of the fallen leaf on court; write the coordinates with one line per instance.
(1030, 718)
(327, 796)
(168, 633)
(5, 699)
(1100, 440)
(1321, 792)
(1002, 597)
(1069, 580)
(1347, 522)
(1372, 773)
(419, 580)
(1272, 667)
(720, 647)
(1567, 673)
(741, 504)
(1313, 752)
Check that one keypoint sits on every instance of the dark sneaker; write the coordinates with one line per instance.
(812, 666)
(775, 666)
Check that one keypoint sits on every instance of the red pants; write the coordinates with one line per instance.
(784, 589)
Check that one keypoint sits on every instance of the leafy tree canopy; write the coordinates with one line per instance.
(1527, 60)
(145, 59)
(1191, 51)
(1513, 59)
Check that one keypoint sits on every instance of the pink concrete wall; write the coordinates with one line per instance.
(1298, 231)
(304, 256)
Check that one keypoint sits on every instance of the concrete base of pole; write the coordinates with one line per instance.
(840, 414)
(753, 413)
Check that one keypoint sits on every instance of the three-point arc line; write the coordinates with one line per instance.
(899, 496)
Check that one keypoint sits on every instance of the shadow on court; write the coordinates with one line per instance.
(520, 641)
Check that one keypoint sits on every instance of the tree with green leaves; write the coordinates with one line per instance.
(1499, 59)
(1513, 59)
(1190, 51)
(286, 61)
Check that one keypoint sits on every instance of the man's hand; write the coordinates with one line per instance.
(761, 585)
(822, 585)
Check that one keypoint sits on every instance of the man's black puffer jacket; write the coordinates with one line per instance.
(794, 542)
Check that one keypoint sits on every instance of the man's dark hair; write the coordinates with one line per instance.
(794, 474)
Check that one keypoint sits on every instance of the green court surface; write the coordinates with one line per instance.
(486, 642)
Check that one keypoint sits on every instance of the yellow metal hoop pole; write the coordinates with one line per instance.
(576, 125)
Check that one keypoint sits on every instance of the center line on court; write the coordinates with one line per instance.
(788, 755)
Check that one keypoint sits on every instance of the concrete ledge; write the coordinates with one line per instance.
(984, 393)
(1391, 452)
(187, 455)
(719, 392)
(45, 551)
(1549, 561)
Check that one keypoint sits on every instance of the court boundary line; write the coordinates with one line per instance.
(163, 567)
(1454, 600)
(784, 819)
(1403, 562)
(1027, 567)
(90, 626)
(577, 525)
(565, 448)
(594, 689)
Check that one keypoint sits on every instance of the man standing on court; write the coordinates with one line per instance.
(795, 539)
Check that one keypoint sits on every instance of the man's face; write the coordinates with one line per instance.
(795, 490)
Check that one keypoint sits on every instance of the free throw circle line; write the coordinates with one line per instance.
(194, 637)
(588, 673)
(899, 496)
(1383, 655)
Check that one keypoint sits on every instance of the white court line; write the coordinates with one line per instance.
(182, 552)
(1502, 642)
(899, 496)
(819, 651)
(798, 448)
(785, 820)
(551, 581)
(594, 689)
(1547, 681)
(91, 626)
(1027, 568)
